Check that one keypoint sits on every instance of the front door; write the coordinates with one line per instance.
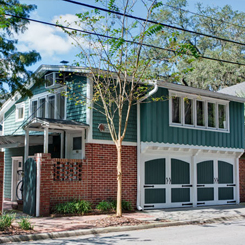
(17, 165)
(76, 144)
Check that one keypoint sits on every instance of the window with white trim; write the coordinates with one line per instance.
(49, 105)
(198, 112)
(20, 112)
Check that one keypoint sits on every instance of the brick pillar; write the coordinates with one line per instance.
(1, 180)
(242, 179)
(46, 175)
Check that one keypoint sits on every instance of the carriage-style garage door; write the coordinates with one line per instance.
(167, 183)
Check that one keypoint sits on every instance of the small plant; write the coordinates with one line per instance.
(25, 224)
(6, 221)
(104, 206)
(126, 205)
(73, 207)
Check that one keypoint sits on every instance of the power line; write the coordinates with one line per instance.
(153, 22)
(202, 15)
(127, 41)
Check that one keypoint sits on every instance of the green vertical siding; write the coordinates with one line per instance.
(155, 172)
(205, 194)
(180, 172)
(180, 194)
(76, 99)
(205, 172)
(155, 196)
(131, 134)
(155, 126)
(225, 172)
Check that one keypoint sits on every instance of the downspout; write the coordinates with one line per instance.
(153, 91)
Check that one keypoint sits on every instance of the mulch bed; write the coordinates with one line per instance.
(13, 230)
(116, 221)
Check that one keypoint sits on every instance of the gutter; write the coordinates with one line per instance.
(153, 91)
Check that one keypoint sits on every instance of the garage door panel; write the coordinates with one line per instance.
(226, 193)
(180, 195)
(205, 172)
(205, 194)
(156, 195)
(180, 172)
(155, 172)
(225, 172)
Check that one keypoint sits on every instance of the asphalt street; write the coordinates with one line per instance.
(227, 233)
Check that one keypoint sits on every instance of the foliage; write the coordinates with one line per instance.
(73, 207)
(25, 224)
(13, 64)
(215, 21)
(126, 205)
(6, 221)
(104, 206)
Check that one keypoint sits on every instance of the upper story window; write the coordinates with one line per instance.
(54, 80)
(198, 112)
(49, 105)
(20, 112)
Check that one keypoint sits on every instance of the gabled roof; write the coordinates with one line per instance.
(234, 90)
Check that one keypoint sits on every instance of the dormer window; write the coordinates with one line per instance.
(20, 112)
(54, 80)
(192, 111)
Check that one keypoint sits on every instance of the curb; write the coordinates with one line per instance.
(62, 234)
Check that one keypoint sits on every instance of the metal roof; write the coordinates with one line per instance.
(197, 91)
(55, 124)
(234, 90)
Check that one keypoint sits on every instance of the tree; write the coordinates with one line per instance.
(112, 49)
(216, 21)
(14, 75)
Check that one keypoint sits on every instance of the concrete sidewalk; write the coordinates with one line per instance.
(48, 227)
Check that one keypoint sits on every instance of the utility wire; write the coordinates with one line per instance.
(202, 15)
(153, 22)
(127, 41)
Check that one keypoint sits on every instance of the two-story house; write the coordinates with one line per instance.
(181, 151)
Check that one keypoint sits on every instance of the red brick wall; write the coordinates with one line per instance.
(1, 180)
(99, 177)
(242, 179)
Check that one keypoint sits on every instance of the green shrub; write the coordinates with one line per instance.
(126, 205)
(25, 224)
(6, 221)
(104, 206)
(73, 207)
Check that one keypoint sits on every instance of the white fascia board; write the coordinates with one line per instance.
(145, 145)
(110, 142)
(200, 92)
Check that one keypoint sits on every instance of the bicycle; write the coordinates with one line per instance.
(19, 187)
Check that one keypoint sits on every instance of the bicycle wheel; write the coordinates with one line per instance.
(19, 190)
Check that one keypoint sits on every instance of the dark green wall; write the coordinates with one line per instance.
(131, 133)
(155, 127)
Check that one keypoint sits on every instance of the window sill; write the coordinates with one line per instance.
(200, 128)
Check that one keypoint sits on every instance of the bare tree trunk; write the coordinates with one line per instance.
(119, 179)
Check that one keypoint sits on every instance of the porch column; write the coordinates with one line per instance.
(45, 143)
(26, 144)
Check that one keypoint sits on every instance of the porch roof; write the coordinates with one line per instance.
(39, 124)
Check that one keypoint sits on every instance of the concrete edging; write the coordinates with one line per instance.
(62, 234)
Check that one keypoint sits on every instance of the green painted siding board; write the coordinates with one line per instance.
(226, 193)
(180, 194)
(155, 196)
(205, 172)
(205, 194)
(179, 135)
(225, 172)
(131, 133)
(180, 172)
(155, 172)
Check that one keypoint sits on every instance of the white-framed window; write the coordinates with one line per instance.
(20, 112)
(54, 79)
(49, 105)
(197, 112)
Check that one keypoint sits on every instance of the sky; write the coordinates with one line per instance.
(54, 46)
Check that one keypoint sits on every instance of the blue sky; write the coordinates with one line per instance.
(51, 42)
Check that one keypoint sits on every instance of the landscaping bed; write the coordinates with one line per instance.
(14, 230)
